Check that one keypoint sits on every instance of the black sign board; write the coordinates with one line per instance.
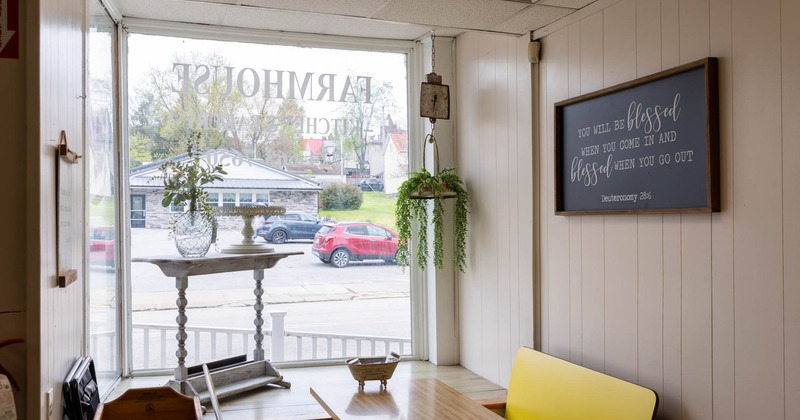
(646, 146)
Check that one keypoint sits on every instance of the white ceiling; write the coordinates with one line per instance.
(384, 19)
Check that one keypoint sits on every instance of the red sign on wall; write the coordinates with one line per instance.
(9, 28)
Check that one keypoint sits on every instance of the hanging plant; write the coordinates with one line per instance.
(412, 204)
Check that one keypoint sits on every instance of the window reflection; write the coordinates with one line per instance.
(104, 325)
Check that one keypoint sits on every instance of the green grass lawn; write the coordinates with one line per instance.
(101, 212)
(376, 208)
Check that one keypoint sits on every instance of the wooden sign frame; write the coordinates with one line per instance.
(65, 158)
(575, 198)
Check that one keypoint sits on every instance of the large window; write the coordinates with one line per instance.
(101, 196)
(286, 123)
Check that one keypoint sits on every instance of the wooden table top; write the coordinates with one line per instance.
(416, 399)
(177, 266)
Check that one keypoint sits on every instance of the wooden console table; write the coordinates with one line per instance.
(241, 377)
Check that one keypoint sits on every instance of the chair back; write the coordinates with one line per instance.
(546, 387)
(156, 403)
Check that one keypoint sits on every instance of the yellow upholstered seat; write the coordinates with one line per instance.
(548, 388)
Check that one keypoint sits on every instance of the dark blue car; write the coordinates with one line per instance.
(371, 184)
(292, 225)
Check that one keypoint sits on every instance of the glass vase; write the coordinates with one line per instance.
(193, 234)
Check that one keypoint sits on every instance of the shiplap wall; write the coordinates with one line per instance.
(493, 117)
(704, 309)
(55, 316)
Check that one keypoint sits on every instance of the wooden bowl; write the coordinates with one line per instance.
(373, 368)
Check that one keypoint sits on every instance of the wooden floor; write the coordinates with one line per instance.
(297, 402)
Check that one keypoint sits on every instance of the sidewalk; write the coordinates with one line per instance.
(153, 301)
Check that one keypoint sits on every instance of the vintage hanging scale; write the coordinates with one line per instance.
(434, 98)
(434, 103)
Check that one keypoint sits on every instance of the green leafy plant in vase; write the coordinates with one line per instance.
(184, 182)
(412, 204)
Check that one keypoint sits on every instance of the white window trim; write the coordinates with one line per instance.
(227, 33)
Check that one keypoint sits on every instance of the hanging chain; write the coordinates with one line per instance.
(433, 52)
(430, 138)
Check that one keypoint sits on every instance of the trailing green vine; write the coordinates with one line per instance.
(409, 209)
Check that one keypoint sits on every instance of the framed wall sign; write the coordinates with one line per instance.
(65, 159)
(650, 145)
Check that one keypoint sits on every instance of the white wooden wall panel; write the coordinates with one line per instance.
(696, 374)
(790, 101)
(557, 291)
(494, 153)
(592, 246)
(650, 286)
(545, 193)
(575, 225)
(487, 217)
(620, 293)
(672, 316)
(758, 260)
(722, 290)
(670, 42)
(466, 146)
(58, 321)
(528, 160)
(502, 227)
(693, 17)
(670, 35)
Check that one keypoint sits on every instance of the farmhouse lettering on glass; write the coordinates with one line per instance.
(650, 145)
(190, 78)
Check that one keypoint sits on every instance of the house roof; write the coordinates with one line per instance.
(314, 145)
(243, 173)
(400, 140)
(311, 168)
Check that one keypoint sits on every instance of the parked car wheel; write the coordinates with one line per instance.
(340, 258)
(279, 237)
(391, 259)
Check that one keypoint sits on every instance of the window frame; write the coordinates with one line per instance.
(414, 71)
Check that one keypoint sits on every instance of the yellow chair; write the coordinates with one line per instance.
(548, 388)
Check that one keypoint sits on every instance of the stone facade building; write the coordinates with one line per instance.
(248, 182)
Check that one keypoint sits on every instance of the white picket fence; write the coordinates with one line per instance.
(155, 344)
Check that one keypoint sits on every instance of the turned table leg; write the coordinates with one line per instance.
(181, 283)
(258, 352)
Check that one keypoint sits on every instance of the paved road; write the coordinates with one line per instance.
(380, 317)
(295, 271)
(295, 279)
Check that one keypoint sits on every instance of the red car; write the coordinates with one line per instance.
(354, 241)
(101, 246)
